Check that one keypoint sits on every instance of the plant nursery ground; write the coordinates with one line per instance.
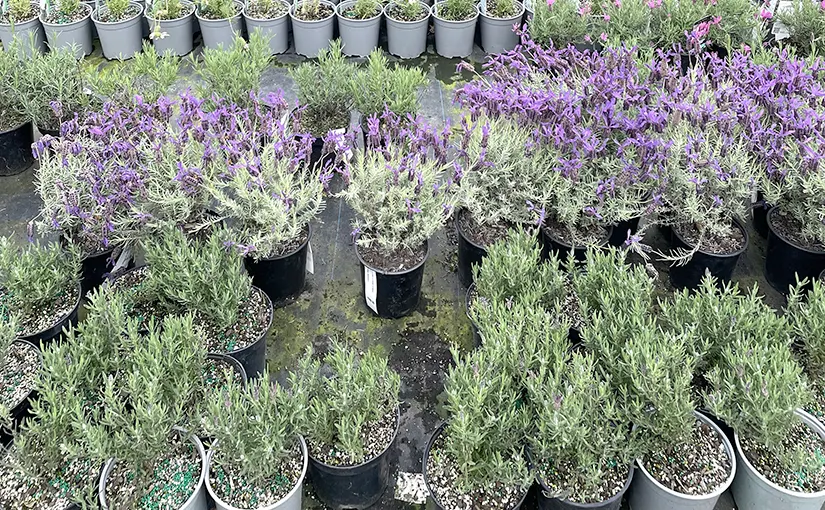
(418, 346)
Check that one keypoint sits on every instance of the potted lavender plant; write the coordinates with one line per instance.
(119, 26)
(272, 206)
(220, 22)
(270, 17)
(20, 363)
(359, 22)
(68, 25)
(455, 27)
(497, 20)
(20, 20)
(239, 88)
(16, 133)
(407, 25)
(312, 24)
(173, 26)
(400, 202)
(625, 22)
(41, 283)
(804, 310)
(241, 474)
(352, 422)
(562, 23)
(804, 21)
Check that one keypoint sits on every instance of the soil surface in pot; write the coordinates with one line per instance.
(787, 226)
(397, 13)
(558, 479)
(130, 284)
(19, 491)
(482, 235)
(38, 320)
(696, 466)
(9, 121)
(816, 407)
(376, 436)
(400, 260)
(58, 18)
(323, 12)
(590, 235)
(291, 245)
(236, 491)
(162, 14)
(320, 122)
(271, 11)
(452, 15)
(19, 371)
(214, 374)
(501, 10)
(352, 13)
(33, 12)
(105, 16)
(442, 473)
(175, 479)
(716, 244)
(236, 9)
(769, 466)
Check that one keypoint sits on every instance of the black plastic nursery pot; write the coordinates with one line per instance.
(353, 487)
(282, 278)
(785, 259)
(435, 500)
(45, 336)
(760, 215)
(476, 333)
(391, 295)
(549, 244)
(96, 269)
(232, 362)
(253, 357)
(720, 266)
(23, 409)
(618, 235)
(16, 149)
(469, 254)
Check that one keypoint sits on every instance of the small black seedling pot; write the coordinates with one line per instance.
(353, 487)
(253, 357)
(45, 336)
(469, 255)
(282, 278)
(427, 450)
(550, 244)
(16, 149)
(784, 260)
(23, 409)
(391, 295)
(720, 266)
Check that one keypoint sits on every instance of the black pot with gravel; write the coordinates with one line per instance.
(19, 367)
(790, 256)
(718, 256)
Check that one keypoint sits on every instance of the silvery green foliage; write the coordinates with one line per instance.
(513, 271)
(485, 444)
(560, 22)
(325, 88)
(36, 275)
(579, 426)
(348, 392)
(805, 20)
(9, 328)
(608, 278)
(379, 86)
(272, 203)
(806, 314)
(234, 73)
(495, 180)
(142, 402)
(755, 388)
(201, 276)
(255, 428)
(399, 198)
(147, 77)
(11, 101)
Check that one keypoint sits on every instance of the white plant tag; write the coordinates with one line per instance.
(370, 288)
(482, 6)
(310, 261)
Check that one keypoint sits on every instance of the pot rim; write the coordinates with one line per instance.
(368, 461)
(235, 2)
(293, 252)
(236, 365)
(427, 449)
(460, 231)
(394, 273)
(63, 318)
(738, 224)
(127, 20)
(771, 213)
(298, 485)
(700, 497)
(428, 9)
(265, 332)
(21, 126)
(278, 18)
(185, 2)
(811, 423)
(349, 3)
(33, 389)
(77, 22)
(510, 18)
(104, 474)
(439, 18)
(16, 23)
(322, 2)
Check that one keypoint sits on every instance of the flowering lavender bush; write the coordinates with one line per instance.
(674, 21)
(560, 22)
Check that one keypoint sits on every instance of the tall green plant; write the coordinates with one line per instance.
(217, 9)
(378, 87)
(53, 88)
(560, 22)
(805, 20)
(149, 75)
(234, 73)
(806, 313)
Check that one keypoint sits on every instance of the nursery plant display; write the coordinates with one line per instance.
(379, 87)
(16, 135)
(19, 367)
(241, 474)
(455, 26)
(351, 424)
(173, 26)
(624, 22)
(220, 22)
(233, 73)
(804, 310)
(20, 21)
(562, 22)
(119, 27)
(312, 26)
(497, 21)
(407, 26)
(805, 22)
(148, 76)
(41, 283)
(68, 24)
(270, 18)
(359, 22)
